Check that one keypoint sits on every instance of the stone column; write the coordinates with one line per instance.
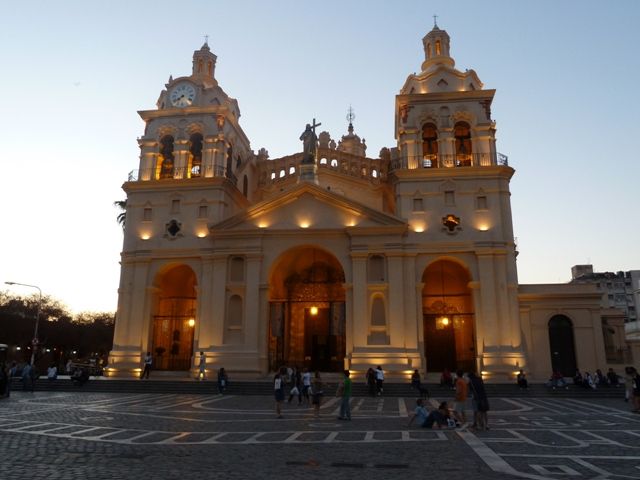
(262, 330)
(219, 299)
(252, 302)
(208, 153)
(205, 308)
(148, 156)
(396, 320)
(359, 309)
(181, 158)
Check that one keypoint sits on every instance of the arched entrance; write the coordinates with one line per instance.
(307, 311)
(448, 317)
(174, 319)
(562, 345)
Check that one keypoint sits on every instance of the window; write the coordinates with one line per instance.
(292, 170)
(438, 47)
(195, 155)
(449, 197)
(376, 269)
(282, 173)
(418, 205)
(210, 68)
(236, 269)
(462, 134)
(481, 202)
(334, 163)
(429, 145)
(200, 65)
(146, 215)
(374, 173)
(202, 211)
(165, 157)
(234, 321)
(245, 186)
(428, 51)
(175, 206)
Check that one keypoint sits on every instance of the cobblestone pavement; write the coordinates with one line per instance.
(148, 436)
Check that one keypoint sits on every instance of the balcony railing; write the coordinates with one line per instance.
(280, 169)
(450, 161)
(180, 173)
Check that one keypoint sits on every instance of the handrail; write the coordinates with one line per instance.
(180, 173)
(449, 161)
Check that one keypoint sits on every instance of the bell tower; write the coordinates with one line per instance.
(453, 187)
(204, 63)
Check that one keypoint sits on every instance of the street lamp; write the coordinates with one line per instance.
(35, 331)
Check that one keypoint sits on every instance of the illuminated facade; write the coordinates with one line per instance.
(406, 260)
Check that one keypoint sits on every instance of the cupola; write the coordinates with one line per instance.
(204, 62)
(436, 49)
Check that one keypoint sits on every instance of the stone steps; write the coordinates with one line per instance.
(264, 387)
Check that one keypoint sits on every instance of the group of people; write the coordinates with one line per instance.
(302, 384)
(375, 381)
(466, 386)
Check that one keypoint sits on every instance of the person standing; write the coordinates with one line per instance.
(10, 374)
(278, 390)
(379, 379)
(317, 393)
(28, 377)
(222, 380)
(480, 401)
(148, 361)
(4, 374)
(460, 398)
(306, 385)
(344, 391)
(202, 366)
(371, 382)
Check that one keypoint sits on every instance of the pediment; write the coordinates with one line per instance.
(308, 206)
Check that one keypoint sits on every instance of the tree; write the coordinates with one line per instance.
(122, 216)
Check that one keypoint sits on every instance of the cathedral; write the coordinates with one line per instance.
(329, 258)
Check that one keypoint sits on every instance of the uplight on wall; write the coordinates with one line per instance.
(263, 224)
(201, 234)
(483, 227)
(192, 322)
(304, 224)
(313, 310)
(145, 236)
(418, 226)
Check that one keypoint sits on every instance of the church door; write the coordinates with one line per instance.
(307, 323)
(562, 346)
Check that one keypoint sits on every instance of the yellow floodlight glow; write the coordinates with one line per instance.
(304, 224)
(263, 224)
(483, 227)
(313, 310)
(192, 322)
(418, 226)
(145, 236)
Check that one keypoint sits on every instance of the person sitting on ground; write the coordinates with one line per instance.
(52, 373)
(587, 381)
(80, 376)
(599, 378)
(521, 378)
(612, 378)
(446, 380)
(578, 379)
(437, 418)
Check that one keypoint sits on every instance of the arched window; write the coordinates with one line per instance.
(562, 345)
(462, 134)
(378, 317)
(165, 159)
(428, 51)
(429, 145)
(200, 65)
(282, 173)
(292, 170)
(210, 68)
(438, 48)
(195, 154)
(323, 161)
(245, 186)
(376, 270)
(374, 173)
(334, 162)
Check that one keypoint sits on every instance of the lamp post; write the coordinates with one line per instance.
(34, 342)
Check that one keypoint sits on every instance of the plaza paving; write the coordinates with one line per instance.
(57, 435)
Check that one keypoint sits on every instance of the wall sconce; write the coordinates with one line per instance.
(192, 322)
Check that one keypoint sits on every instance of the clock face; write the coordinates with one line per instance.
(182, 95)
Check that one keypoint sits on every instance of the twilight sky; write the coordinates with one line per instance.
(74, 74)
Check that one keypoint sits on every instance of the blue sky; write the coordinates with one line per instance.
(75, 73)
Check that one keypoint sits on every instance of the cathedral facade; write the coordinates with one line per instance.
(331, 259)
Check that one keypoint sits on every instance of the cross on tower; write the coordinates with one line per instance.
(206, 39)
(350, 115)
(435, 21)
(314, 125)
